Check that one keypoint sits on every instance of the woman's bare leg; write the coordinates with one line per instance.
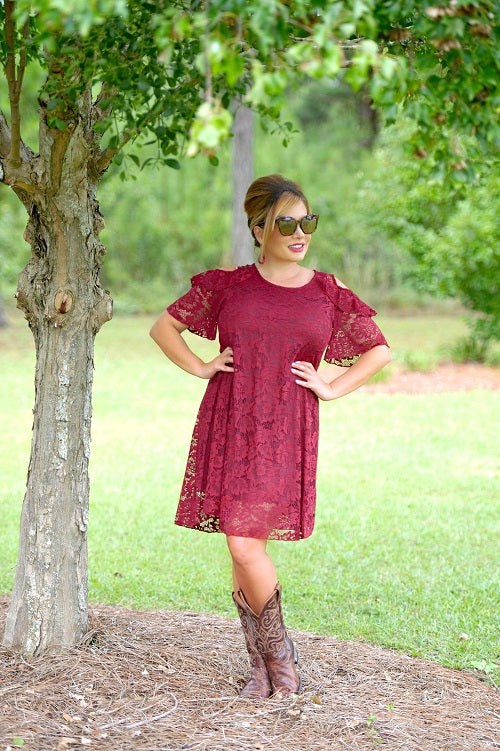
(272, 653)
(253, 570)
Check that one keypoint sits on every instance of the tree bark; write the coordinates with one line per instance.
(65, 306)
(242, 242)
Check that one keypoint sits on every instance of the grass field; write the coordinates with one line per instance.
(405, 550)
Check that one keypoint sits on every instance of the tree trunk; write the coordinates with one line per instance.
(65, 306)
(3, 317)
(369, 116)
(242, 242)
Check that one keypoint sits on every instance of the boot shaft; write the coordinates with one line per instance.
(277, 649)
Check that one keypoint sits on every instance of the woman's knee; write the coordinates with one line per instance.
(245, 551)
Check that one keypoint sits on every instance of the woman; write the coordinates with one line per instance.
(251, 470)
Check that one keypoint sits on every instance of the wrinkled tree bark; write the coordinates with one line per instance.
(65, 306)
(242, 243)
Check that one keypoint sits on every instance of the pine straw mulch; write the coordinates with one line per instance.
(166, 681)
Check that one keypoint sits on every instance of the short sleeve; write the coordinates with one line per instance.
(198, 309)
(354, 331)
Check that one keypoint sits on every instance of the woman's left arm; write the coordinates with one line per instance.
(363, 369)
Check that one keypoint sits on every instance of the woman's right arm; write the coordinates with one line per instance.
(167, 333)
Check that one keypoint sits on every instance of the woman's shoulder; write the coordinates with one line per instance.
(330, 280)
(342, 297)
(221, 279)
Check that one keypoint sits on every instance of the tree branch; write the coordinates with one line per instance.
(5, 136)
(106, 93)
(22, 59)
(105, 157)
(15, 157)
(12, 83)
(20, 178)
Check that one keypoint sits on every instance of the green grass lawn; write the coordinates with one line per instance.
(404, 553)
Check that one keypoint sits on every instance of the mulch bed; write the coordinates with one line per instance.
(161, 680)
(447, 377)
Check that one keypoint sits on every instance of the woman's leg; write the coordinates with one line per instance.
(257, 595)
(253, 570)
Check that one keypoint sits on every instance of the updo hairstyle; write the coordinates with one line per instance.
(267, 198)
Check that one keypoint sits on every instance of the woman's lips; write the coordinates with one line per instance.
(297, 247)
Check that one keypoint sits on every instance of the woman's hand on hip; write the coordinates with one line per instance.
(222, 363)
(309, 378)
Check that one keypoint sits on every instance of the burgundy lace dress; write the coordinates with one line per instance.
(251, 469)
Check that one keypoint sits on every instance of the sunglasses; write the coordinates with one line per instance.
(287, 224)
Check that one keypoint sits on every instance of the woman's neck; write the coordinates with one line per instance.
(285, 273)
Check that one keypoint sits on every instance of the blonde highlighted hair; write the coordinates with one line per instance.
(267, 198)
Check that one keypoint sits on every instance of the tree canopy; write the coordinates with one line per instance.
(169, 71)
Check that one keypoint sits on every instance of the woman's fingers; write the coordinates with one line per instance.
(303, 368)
(225, 360)
(309, 377)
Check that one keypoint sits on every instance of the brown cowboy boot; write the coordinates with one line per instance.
(275, 646)
(259, 685)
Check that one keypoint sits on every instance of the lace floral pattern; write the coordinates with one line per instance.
(251, 469)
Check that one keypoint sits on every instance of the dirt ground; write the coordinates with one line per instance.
(169, 681)
(448, 377)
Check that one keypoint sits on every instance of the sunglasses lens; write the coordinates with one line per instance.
(308, 225)
(286, 225)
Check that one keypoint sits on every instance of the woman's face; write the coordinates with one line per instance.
(291, 247)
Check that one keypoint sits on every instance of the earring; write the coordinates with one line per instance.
(261, 258)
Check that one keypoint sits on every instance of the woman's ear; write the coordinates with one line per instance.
(258, 233)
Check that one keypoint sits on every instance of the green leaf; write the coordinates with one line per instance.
(388, 67)
(348, 29)
(57, 123)
(173, 163)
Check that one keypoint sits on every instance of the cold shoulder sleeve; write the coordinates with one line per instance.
(198, 309)
(353, 329)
